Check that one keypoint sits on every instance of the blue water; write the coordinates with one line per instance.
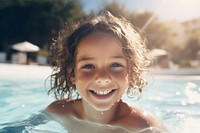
(172, 100)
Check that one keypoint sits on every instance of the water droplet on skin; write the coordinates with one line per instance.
(63, 106)
(145, 113)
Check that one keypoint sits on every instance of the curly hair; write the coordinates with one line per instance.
(63, 52)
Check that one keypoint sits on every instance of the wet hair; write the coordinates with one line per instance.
(63, 52)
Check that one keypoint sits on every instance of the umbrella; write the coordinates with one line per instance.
(157, 52)
(25, 47)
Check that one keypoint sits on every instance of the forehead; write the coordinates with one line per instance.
(98, 37)
(99, 43)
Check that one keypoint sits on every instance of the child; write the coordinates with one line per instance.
(102, 59)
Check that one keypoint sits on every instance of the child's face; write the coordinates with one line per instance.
(101, 76)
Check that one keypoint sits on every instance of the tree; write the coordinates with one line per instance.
(37, 21)
(116, 9)
(192, 46)
(156, 32)
(145, 22)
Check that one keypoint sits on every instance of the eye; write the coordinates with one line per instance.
(116, 65)
(88, 66)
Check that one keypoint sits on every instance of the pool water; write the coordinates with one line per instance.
(174, 100)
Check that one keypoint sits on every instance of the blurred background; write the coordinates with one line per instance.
(171, 27)
(28, 27)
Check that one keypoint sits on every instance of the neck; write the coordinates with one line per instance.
(104, 117)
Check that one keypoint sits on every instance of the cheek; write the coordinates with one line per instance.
(84, 76)
(82, 80)
(121, 77)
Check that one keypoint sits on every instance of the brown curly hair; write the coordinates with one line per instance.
(63, 52)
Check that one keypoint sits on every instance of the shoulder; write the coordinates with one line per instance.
(134, 117)
(61, 107)
(143, 119)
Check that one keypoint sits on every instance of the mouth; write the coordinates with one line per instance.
(102, 94)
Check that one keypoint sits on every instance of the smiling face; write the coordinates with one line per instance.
(101, 76)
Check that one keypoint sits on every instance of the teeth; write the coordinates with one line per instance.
(102, 92)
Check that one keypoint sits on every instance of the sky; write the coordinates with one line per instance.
(166, 10)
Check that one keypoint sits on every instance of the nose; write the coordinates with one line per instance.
(103, 77)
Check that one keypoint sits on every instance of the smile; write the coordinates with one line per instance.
(102, 92)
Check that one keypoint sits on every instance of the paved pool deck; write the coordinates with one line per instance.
(26, 71)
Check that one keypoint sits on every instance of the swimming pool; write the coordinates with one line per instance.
(174, 100)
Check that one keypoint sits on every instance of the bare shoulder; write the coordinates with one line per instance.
(134, 117)
(61, 107)
(144, 119)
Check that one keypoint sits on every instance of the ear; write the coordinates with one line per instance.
(72, 78)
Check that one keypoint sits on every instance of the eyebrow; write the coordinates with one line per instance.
(118, 57)
(85, 59)
(91, 58)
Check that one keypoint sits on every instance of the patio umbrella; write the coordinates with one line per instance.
(157, 52)
(25, 47)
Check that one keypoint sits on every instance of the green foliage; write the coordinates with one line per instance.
(37, 21)
(147, 22)
(193, 45)
(155, 31)
(184, 64)
(116, 9)
(43, 52)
